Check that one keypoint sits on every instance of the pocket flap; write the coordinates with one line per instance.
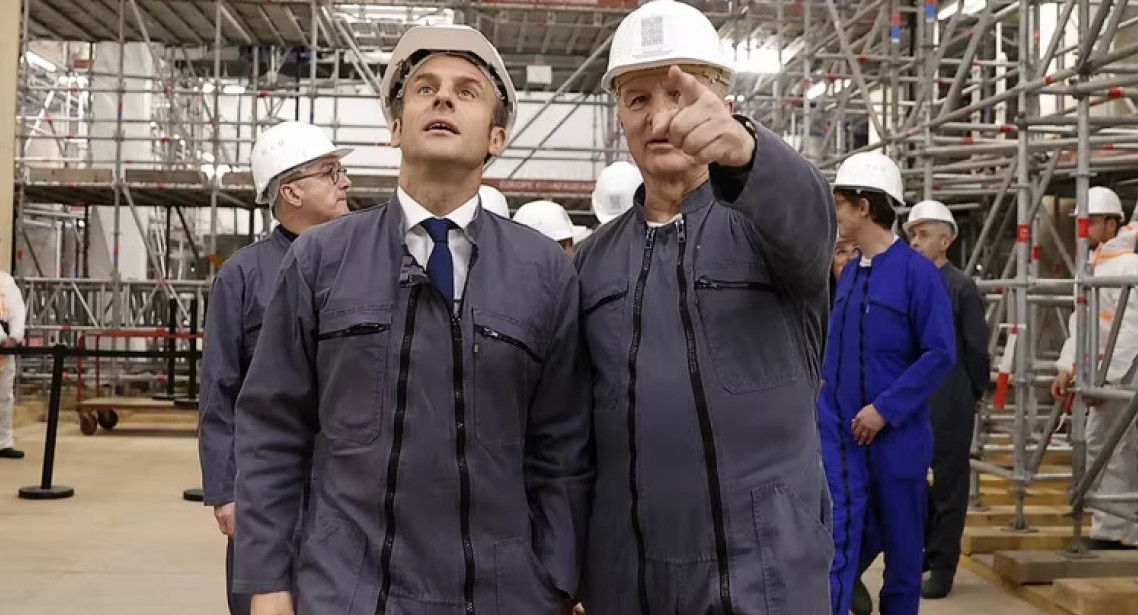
(363, 316)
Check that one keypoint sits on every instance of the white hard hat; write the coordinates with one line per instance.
(872, 171)
(420, 42)
(494, 201)
(927, 211)
(580, 234)
(287, 146)
(662, 33)
(546, 217)
(614, 190)
(1102, 201)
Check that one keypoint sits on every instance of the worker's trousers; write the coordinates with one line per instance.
(948, 496)
(7, 400)
(1120, 474)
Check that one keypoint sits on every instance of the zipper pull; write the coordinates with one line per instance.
(681, 229)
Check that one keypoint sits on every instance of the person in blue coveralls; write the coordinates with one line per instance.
(891, 344)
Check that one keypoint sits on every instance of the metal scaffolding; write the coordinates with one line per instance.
(1008, 111)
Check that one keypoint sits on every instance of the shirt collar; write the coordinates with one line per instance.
(414, 213)
(868, 262)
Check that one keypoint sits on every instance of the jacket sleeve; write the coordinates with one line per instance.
(221, 382)
(974, 333)
(276, 427)
(930, 316)
(1066, 360)
(791, 208)
(558, 450)
(15, 310)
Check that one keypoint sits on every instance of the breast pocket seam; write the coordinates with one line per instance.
(351, 331)
(492, 329)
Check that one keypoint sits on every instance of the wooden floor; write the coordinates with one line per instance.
(127, 544)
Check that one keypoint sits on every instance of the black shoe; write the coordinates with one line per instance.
(862, 603)
(11, 453)
(937, 585)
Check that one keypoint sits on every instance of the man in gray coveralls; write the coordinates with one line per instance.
(423, 358)
(704, 308)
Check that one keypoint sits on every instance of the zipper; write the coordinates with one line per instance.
(603, 302)
(460, 444)
(706, 432)
(502, 337)
(363, 328)
(396, 448)
(633, 350)
(724, 285)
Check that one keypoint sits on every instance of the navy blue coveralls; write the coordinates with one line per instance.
(891, 344)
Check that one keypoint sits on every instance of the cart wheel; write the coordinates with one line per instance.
(108, 419)
(88, 423)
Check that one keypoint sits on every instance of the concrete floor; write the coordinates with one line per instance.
(128, 544)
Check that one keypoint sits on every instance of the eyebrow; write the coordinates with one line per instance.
(463, 79)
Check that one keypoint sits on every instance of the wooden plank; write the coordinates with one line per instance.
(1027, 567)
(993, 539)
(128, 404)
(1002, 516)
(1002, 496)
(1105, 596)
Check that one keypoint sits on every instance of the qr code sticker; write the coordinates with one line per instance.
(652, 31)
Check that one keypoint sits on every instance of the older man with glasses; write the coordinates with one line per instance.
(297, 172)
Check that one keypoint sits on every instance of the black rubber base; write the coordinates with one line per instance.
(55, 492)
(193, 495)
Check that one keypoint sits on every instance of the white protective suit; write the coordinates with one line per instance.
(13, 312)
(1115, 257)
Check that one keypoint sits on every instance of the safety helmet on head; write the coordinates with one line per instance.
(546, 217)
(421, 42)
(494, 201)
(1102, 201)
(665, 32)
(286, 146)
(581, 233)
(872, 171)
(614, 190)
(928, 211)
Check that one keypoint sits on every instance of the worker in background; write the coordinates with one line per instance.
(550, 219)
(891, 345)
(296, 172)
(423, 358)
(704, 312)
(613, 191)
(844, 252)
(494, 201)
(1112, 255)
(13, 316)
(931, 230)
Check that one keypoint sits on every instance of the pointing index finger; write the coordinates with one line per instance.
(687, 85)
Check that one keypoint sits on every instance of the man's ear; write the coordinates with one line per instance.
(497, 140)
(730, 102)
(396, 132)
(290, 195)
(863, 207)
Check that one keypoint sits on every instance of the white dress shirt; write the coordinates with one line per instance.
(420, 244)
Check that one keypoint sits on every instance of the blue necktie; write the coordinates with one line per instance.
(440, 267)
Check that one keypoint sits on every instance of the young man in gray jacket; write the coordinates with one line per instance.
(423, 359)
(297, 172)
(704, 309)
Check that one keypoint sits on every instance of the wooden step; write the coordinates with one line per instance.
(1002, 516)
(1102, 596)
(1005, 458)
(1028, 567)
(994, 539)
(1002, 496)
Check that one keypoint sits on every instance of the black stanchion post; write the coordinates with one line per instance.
(171, 348)
(45, 490)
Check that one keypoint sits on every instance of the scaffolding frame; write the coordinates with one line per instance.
(982, 110)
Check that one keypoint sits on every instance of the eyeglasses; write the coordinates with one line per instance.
(333, 173)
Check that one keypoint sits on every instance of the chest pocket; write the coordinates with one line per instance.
(601, 313)
(508, 357)
(747, 326)
(887, 320)
(351, 357)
